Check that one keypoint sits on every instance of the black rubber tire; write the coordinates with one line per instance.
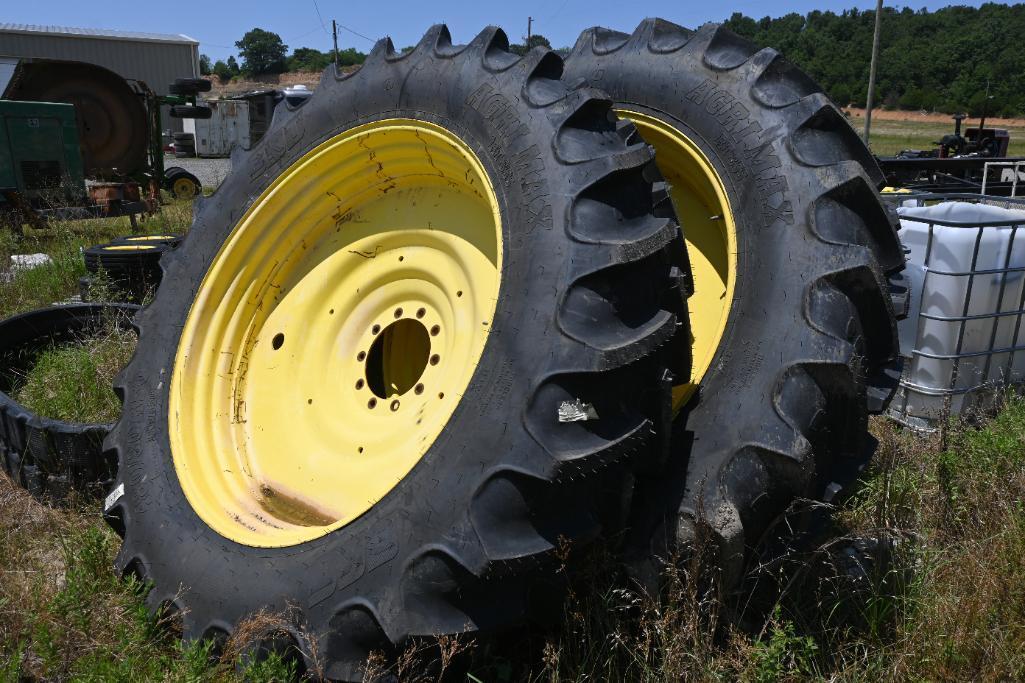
(187, 139)
(184, 152)
(505, 480)
(811, 346)
(185, 111)
(134, 273)
(51, 457)
(189, 86)
(174, 173)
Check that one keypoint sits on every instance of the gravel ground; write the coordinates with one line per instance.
(209, 171)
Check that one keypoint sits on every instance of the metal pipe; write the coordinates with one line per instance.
(872, 71)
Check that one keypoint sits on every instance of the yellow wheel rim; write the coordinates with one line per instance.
(183, 188)
(701, 203)
(334, 333)
(149, 238)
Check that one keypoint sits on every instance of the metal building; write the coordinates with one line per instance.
(154, 58)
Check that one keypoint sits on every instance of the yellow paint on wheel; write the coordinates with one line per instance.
(335, 332)
(703, 208)
(183, 188)
(129, 247)
(149, 238)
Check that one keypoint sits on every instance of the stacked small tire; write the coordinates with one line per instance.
(131, 265)
(435, 326)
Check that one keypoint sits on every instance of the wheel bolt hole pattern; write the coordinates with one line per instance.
(359, 384)
(459, 293)
(395, 405)
(435, 359)
(398, 312)
(361, 356)
(372, 403)
(418, 389)
(277, 341)
(397, 358)
(421, 312)
(375, 329)
(435, 330)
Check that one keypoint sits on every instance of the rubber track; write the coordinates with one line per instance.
(50, 457)
(619, 268)
(848, 363)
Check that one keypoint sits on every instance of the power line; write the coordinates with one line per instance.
(356, 33)
(322, 25)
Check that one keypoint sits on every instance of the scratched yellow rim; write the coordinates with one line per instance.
(334, 333)
(703, 207)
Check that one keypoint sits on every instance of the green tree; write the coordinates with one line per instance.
(262, 52)
(222, 71)
(536, 40)
(350, 56)
(204, 65)
(233, 66)
(308, 59)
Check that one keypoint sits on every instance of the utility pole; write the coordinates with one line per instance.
(872, 71)
(334, 37)
(530, 22)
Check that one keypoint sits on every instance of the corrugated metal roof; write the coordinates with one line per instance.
(97, 33)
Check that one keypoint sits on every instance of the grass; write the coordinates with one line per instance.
(918, 576)
(63, 242)
(73, 382)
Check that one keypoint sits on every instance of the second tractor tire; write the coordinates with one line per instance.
(795, 338)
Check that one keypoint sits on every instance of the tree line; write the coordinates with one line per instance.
(938, 61)
(264, 52)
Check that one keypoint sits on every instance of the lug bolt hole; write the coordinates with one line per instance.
(441, 394)
(361, 356)
(395, 405)
(309, 402)
(361, 449)
(435, 330)
(398, 312)
(421, 312)
(402, 258)
(277, 341)
(435, 359)
(459, 293)
(375, 329)
(331, 312)
(418, 389)
(372, 403)
(359, 384)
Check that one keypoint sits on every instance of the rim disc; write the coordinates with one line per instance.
(703, 208)
(334, 332)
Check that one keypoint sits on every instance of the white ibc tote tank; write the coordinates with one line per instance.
(964, 333)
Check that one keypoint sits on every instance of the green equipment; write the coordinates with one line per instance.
(40, 157)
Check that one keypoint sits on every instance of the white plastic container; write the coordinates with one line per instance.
(964, 332)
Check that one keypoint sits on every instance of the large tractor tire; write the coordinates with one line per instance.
(411, 337)
(795, 339)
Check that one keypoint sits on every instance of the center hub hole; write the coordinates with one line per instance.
(397, 358)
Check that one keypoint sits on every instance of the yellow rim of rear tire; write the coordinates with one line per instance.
(334, 333)
(183, 188)
(703, 207)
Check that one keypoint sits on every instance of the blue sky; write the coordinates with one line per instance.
(217, 25)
